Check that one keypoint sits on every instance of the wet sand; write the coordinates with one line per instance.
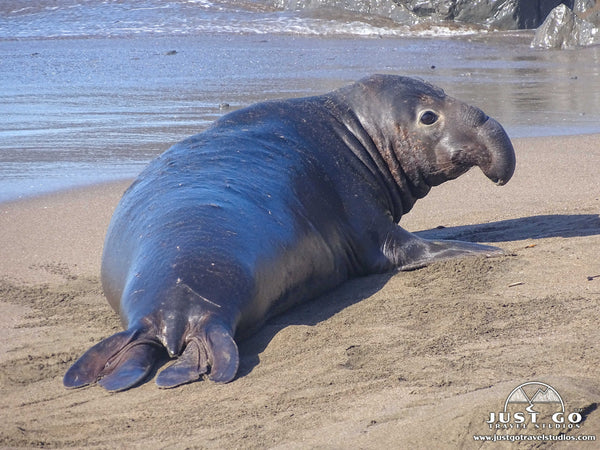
(414, 360)
(81, 111)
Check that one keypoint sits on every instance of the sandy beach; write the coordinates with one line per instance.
(414, 359)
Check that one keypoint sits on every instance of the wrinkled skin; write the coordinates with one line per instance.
(275, 204)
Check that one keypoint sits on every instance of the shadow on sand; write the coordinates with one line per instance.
(534, 227)
(326, 306)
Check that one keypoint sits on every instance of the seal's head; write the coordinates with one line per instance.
(426, 136)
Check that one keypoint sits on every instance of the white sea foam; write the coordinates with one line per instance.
(89, 110)
(321, 27)
(97, 18)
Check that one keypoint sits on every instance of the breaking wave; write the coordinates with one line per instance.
(21, 19)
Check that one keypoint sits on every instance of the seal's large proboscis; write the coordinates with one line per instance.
(273, 205)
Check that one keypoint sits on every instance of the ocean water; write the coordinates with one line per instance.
(117, 18)
(91, 90)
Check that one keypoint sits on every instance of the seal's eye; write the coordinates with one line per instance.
(428, 118)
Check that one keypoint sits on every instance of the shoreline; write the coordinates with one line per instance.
(110, 104)
(417, 357)
(126, 180)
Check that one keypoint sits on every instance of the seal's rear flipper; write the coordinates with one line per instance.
(133, 367)
(117, 363)
(214, 348)
(407, 251)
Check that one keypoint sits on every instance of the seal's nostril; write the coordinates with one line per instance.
(479, 117)
(473, 116)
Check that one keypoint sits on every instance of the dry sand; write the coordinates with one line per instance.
(413, 360)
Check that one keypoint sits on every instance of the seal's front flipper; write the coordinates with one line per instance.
(427, 252)
(210, 351)
(407, 251)
(117, 363)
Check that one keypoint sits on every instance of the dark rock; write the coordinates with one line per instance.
(531, 14)
(588, 10)
(563, 29)
(390, 9)
(503, 14)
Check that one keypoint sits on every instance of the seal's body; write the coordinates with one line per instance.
(273, 205)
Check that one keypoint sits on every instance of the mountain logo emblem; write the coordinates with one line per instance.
(537, 408)
(534, 393)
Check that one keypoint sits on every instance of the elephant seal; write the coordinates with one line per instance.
(272, 205)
